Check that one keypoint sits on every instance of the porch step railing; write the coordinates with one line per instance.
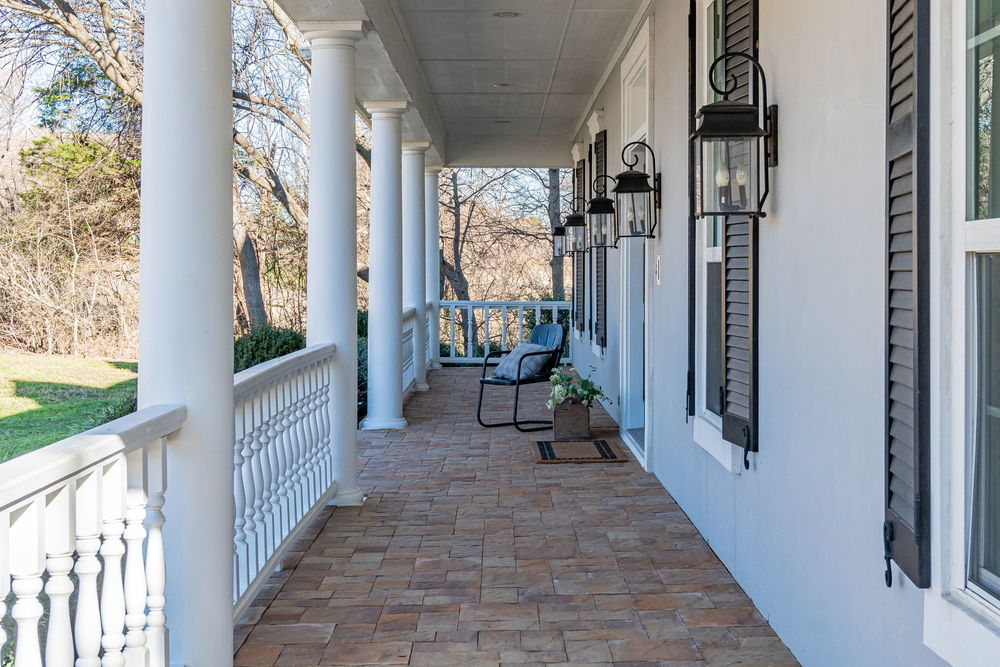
(83, 517)
(283, 473)
(469, 328)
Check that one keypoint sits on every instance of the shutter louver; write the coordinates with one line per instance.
(907, 418)
(579, 266)
(739, 261)
(601, 254)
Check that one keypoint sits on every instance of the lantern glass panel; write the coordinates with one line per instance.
(635, 211)
(729, 175)
(600, 229)
(576, 238)
(559, 245)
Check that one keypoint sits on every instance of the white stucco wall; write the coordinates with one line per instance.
(801, 530)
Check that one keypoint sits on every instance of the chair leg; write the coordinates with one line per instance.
(479, 411)
(518, 423)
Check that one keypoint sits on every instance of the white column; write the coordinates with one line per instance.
(332, 259)
(385, 275)
(415, 253)
(432, 227)
(186, 309)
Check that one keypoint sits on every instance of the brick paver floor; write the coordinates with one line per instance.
(468, 553)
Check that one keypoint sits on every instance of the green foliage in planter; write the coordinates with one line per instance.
(264, 344)
(565, 384)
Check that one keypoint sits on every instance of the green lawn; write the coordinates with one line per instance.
(45, 398)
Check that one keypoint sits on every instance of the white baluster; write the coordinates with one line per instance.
(486, 329)
(451, 331)
(87, 624)
(273, 446)
(249, 491)
(305, 444)
(326, 450)
(309, 451)
(240, 551)
(258, 461)
(295, 445)
(156, 621)
(60, 542)
(269, 461)
(112, 550)
(503, 329)
(27, 545)
(135, 568)
(281, 453)
(520, 326)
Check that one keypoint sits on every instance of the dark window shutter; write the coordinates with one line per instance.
(588, 193)
(907, 419)
(579, 269)
(601, 254)
(692, 231)
(739, 262)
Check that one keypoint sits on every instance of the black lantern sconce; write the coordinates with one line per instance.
(576, 229)
(601, 226)
(637, 201)
(734, 152)
(559, 241)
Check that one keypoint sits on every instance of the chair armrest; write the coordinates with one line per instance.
(490, 354)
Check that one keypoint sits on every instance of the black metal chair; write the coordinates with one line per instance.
(549, 335)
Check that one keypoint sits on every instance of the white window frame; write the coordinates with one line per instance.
(707, 425)
(960, 625)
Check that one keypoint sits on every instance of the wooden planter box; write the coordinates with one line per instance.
(571, 421)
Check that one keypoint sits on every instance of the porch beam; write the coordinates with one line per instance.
(186, 310)
(385, 276)
(415, 253)
(332, 287)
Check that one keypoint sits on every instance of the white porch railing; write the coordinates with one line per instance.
(409, 371)
(469, 328)
(282, 466)
(69, 514)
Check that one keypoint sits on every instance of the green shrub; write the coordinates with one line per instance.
(363, 323)
(122, 408)
(264, 344)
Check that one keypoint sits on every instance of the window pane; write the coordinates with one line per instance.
(985, 552)
(713, 338)
(983, 189)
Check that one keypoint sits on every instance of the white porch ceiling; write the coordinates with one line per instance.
(446, 56)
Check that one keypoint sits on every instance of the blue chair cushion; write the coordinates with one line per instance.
(532, 366)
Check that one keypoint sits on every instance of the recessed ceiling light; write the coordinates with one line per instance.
(502, 84)
(501, 120)
(506, 15)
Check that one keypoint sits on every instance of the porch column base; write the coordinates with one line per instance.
(348, 498)
(383, 424)
(421, 386)
(435, 366)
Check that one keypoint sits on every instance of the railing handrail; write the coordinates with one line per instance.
(248, 381)
(31, 473)
(499, 304)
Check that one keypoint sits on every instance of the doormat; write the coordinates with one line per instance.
(577, 451)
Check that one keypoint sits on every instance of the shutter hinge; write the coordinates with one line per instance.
(888, 534)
